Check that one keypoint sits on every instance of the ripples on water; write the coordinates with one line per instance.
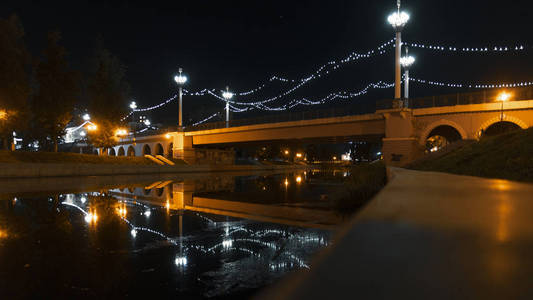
(216, 236)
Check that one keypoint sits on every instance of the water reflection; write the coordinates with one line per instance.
(193, 237)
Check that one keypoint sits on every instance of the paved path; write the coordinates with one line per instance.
(429, 236)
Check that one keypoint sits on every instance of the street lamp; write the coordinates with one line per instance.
(227, 95)
(147, 122)
(398, 20)
(180, 80)
(503, 97)
(133, 107)
(86, 117)
(406, 62)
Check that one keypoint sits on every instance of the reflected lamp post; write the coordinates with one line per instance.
(227, 96)
(180, 80)
(406, 62)
(398, 20)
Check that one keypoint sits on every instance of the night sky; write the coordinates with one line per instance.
(243, 43)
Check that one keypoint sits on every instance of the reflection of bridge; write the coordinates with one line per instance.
(404, 131)
(181, 196)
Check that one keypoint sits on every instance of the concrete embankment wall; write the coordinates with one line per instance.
(31, 170)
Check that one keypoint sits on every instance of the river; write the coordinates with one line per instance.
(215, 235)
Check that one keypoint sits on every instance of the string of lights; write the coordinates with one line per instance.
(332, 96)
(206, 119)
(334, 65)
(518, 48)
(472, 85)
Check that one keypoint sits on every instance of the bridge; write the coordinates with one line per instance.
(403, 130)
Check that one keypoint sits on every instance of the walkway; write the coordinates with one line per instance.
(429, 236)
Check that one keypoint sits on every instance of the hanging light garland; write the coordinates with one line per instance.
(519, 48)
(472, 85)
(335, 65)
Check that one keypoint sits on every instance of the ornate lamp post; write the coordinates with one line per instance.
(133, 107)
(503, 97)
(180, 80)
(227, 95)
(398, 20)
(406, 62)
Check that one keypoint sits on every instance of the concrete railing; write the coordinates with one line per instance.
(427, 235)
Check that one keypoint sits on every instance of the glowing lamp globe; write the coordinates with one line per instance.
(180, 78)
(407, 61)
(133, 105)
(86, 117)
(227, 95)
(504, 96)
(398, 20)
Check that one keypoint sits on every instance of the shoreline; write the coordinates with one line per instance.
(40, 170)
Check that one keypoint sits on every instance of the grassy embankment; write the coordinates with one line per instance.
(507, 156)
(363, 183)
(71, 158)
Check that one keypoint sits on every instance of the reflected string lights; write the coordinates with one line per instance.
(278, 249)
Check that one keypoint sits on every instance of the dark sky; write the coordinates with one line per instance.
(243, 43)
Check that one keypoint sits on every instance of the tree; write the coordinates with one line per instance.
(14, 80)
(58, 91)
(107, 90)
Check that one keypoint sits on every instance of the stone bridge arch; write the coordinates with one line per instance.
(121, 151)
(443, 122)
(158, 149)
(146, 150)
(494, 120)
(131, 151)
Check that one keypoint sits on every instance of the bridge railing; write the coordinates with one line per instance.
(287, 117)
(485, 96)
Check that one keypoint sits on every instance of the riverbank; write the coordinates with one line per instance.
(35, 170)
(506, 156)
(20, 164)
(72, 158)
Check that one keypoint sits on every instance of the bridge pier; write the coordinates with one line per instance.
(183, 148)
(400, 145)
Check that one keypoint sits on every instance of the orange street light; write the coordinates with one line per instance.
(299, 155)
(121, 132)
(287, 152)
(92, 127)
(3, 115)
(503, 97)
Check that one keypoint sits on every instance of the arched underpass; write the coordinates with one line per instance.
(500, 128)
(131, 151)
(147, 150)
(159, 150)
(441, 136)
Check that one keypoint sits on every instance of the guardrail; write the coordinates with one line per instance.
(288, 117)
(485, 96)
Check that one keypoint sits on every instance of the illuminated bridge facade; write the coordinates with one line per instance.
(404, 131)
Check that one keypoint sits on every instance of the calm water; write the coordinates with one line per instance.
(195, 237)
